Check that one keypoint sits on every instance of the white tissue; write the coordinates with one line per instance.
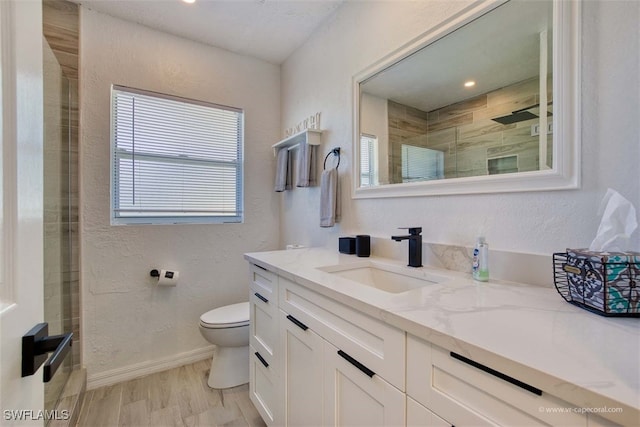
(168, 278)
(617, 224)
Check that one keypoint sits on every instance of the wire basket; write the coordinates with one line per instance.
(606, 284)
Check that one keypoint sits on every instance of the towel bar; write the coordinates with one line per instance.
(335, 152)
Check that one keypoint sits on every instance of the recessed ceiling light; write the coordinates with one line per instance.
(189, 1)
(470, 83)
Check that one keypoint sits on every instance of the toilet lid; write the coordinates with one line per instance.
(227, 316)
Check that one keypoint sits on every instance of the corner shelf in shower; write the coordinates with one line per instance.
(310, 136)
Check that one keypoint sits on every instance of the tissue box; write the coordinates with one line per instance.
(603, 282)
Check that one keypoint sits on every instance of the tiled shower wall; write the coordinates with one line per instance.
(60, 28)
(465, 133)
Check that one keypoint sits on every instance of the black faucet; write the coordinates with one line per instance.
(415, 245)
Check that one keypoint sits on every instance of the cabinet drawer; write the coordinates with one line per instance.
(263, 335)
(378, 346)
(263, 390)
(264, 282)
(466, 393)
(263, 301)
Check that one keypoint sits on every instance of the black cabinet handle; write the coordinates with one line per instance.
(498, 374)
(261, 297)
(261, 359)
(37, 343)
(260, 267)
(357, 364)
(297, 322)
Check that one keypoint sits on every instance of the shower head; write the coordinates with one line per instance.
(519, 116)
(515, 117)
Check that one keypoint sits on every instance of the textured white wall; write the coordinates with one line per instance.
(126, 320)
(360, 33)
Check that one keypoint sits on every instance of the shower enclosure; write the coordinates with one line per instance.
(58, 216)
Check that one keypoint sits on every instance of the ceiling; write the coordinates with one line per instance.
(266, 29)
(496, 50)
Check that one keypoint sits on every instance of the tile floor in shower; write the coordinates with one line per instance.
(177, 397)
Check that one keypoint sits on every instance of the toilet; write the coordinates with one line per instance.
(228, 328)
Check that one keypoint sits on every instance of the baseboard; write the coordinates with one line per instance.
(149, 367)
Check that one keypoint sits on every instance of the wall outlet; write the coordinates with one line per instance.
(535, 129)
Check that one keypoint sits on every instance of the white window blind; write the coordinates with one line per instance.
(174, 160)
(368, 160)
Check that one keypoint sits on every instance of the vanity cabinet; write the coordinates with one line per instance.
(316, 361)
(465, 392)
(311, 356)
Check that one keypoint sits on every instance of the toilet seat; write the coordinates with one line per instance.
(229, 316)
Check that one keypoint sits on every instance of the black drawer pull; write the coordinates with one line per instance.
(261, 297)
(297, 322)
(498, 374)
(357, 364)
(260, 267)
(261, 359)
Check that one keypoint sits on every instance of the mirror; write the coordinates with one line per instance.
(486, 102)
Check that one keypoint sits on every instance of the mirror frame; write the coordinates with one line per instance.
(565, 173)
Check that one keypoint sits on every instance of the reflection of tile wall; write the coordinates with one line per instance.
(465, 133)
(60, 20)
(405, 124)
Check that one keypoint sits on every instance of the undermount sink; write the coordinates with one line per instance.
(385, 277)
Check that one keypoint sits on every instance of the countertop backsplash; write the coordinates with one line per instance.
(529, 268)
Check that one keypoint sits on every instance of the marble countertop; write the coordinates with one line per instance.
(525, 331)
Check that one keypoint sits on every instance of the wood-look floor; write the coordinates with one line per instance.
(177, 397)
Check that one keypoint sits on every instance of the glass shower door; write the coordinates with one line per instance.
(57, 221)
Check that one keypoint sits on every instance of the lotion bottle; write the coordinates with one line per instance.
(480, 267)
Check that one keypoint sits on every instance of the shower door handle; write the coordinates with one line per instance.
(37, 343)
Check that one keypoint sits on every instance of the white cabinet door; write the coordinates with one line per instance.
(419, 416)
(355, 396)
(301, 373)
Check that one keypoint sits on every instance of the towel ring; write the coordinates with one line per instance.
(335, 152)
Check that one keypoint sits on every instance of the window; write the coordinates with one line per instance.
(421, 164)
(368, 160)
(174, 160)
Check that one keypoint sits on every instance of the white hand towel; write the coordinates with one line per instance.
(329, 198)
(306, 176)
(284, 170)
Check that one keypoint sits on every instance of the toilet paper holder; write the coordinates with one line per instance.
(167, 274)
(165, 277)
